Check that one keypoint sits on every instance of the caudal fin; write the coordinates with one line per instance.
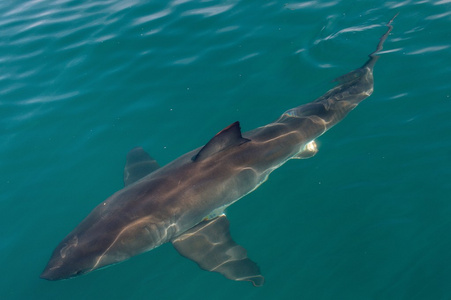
(373, 56)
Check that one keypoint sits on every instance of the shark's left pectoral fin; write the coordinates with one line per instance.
(138, 165)
(210, 245)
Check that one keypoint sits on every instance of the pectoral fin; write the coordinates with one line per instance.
(210, 245)
(308, 151)
(139, 164)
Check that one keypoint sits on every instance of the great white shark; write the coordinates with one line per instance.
(183, 202)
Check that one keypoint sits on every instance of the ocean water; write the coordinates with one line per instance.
(83, 82)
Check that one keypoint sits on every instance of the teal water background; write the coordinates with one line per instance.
(83, 82)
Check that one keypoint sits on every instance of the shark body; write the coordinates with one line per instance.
(183, 202)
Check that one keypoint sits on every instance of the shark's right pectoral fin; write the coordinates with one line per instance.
(308, 151)
(210, 245)
(138, 165)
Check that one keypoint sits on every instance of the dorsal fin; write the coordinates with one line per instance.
(226, 138)
(139, 164)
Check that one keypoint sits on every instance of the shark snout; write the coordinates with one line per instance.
(56, 270)
(59, 268)
(59, 272)
(48, 275)
(52, 274)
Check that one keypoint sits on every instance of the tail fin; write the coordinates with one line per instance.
(373, 57)
(357, 73)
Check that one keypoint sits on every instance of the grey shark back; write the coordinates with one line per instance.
(183, 202)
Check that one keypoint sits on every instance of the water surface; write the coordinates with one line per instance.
(83, 82)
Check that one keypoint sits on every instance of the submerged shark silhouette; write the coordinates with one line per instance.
(183, 202)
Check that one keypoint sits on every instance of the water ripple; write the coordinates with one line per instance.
(310, 5)
(439, 16)
(209, 11)
(442, 2)
(152, 17)
(347, 30)
(429, 50)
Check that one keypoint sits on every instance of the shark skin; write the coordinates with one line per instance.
(183, 202)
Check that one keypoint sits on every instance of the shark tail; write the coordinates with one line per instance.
(373, 56)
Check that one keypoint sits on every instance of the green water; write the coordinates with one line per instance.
(83, 82)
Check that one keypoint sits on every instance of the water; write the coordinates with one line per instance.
(82, 82)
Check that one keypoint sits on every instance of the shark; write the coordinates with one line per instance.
(183, 202)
